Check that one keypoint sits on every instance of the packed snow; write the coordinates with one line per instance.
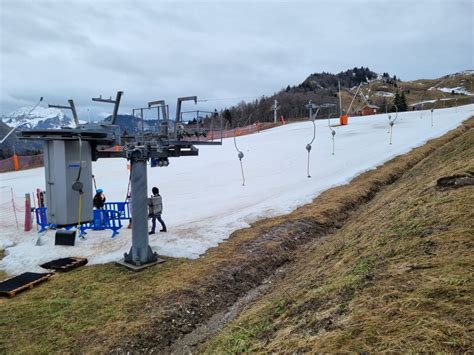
(204, 200)
(431, 101)
(457, 90)
(384, 94)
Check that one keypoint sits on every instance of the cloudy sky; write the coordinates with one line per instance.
(216, 49)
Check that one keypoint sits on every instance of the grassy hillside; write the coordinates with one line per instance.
(104, 307)
(396, 277)
(415, 92)
(322, 89)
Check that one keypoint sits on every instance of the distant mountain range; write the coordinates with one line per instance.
(25, 117)
(52, 118)
(40, 117)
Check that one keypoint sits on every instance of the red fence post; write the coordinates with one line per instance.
(27, 212)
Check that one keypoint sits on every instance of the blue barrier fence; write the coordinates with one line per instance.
(110, 217)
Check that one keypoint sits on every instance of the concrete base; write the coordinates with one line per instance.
(139, 267)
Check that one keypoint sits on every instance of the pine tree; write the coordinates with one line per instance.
(228, 116)
(403, 102)
(396, 102)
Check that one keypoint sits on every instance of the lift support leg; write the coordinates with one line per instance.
(140, 255)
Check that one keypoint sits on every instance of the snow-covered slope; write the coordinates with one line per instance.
(457, 90)
(204, 200)
(40, 117)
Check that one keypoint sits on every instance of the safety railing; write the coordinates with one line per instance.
(110, 217)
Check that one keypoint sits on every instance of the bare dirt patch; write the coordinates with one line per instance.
(455, 181)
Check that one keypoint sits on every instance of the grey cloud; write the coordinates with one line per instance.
(154, 49)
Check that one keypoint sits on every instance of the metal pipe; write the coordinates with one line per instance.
(140, 252)
(340, 100)
(74, 113)
(350, 106)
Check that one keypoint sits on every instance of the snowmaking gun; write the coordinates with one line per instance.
(69, 153)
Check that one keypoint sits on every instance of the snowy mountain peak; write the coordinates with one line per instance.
(40, 117)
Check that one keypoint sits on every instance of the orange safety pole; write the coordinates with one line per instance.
(116, 148)
(16, 163)
(238, 132)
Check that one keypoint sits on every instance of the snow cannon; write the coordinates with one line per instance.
(344, 120)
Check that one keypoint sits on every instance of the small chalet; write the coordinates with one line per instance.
(368, 110)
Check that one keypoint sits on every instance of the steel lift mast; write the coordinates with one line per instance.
(70, 148)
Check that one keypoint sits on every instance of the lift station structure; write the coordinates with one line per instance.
(69, 152)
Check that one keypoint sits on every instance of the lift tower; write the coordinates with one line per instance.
(69, 153)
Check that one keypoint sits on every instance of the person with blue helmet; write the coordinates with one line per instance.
(99, 199)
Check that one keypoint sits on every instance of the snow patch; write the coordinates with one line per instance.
(457, 90)
(384, 94)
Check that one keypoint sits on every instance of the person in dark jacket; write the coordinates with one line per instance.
(99, 199)
(155, 208)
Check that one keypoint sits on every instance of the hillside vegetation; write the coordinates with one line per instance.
(396, 277)
(322, 88)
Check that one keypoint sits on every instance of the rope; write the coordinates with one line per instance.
(95, 185)
(333, 133)
(79, 212)
(78, 185)
(308, 146)
(80, 158)
(240, 155)
(242, 170)
(391, 129)
(392, 122)
(129, 181)
(14, 210)
(308, 159)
